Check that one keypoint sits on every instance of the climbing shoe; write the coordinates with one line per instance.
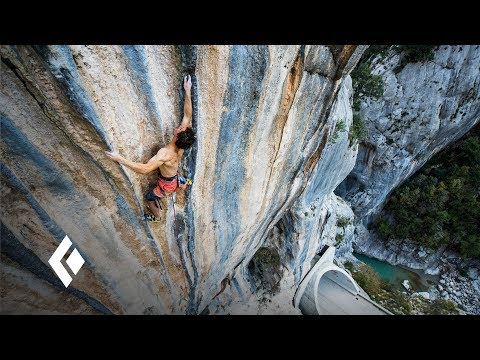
(149, 217)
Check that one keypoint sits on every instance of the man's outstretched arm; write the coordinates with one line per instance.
(187, 107)
(140, 168)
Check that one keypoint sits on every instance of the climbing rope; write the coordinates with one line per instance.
(188, 182)
(175, 219)
(175, 231)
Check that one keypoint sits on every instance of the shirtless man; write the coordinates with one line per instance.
(168, 158)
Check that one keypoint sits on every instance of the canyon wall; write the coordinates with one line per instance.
(264, 116)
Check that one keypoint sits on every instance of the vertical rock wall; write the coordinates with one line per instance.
(263, 118)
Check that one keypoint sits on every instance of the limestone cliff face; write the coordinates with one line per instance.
(311, 222)
(308, 224)
(425, 107)
(264, 117)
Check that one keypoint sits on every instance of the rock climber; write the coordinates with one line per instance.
(167, 159)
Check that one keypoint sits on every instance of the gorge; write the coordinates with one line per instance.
(276, 173)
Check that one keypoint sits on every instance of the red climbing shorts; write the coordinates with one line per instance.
(165, 185)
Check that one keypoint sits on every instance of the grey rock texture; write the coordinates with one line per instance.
(425, 107)
(309, 224)
(263, 118)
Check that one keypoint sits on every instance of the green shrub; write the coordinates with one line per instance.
(384, 227)
(413, 54)
(397, 302)
(267, 256)
(265, 268)
(339, 127)
(417, 53)
(373, 51)
(339, 239)
(349, 265)
(358, 130)
(440, 306)
(365, 84)
(343, 221)
(368, 279)
(387, 286)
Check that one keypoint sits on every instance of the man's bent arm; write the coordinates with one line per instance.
(187, 107)
(140, 168)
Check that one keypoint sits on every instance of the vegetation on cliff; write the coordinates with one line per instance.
(440, 204)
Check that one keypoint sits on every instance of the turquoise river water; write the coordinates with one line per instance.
(419, 281)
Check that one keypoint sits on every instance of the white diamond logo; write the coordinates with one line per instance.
(74, 261)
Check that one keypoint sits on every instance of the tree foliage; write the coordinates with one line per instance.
(440, 205)
(440, 306)
(358, 130)
(365, 84)
(417, 53)
(374, 51)
(339, 128)
(343, 221)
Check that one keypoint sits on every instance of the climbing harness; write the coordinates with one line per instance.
(149, 217)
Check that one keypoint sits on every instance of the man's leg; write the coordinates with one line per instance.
(155, 210)
(153, 199)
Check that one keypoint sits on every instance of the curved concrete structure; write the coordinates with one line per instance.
(329, 290)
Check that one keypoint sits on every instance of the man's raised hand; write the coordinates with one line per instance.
(112, 155)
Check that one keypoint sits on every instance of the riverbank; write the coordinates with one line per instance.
(396, 274)
(459, 279)
(396, 301)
